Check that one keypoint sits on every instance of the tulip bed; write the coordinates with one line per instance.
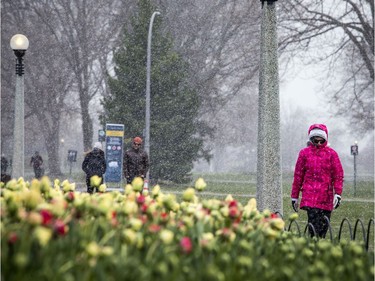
(51, 232)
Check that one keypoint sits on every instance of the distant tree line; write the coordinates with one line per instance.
(77, 50)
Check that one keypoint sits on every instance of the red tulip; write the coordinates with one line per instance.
(12, 237)
(154, 228)
(233, 203)
(70, 196)
(60, 227)
(144, 208)
(234, 212)
(47, 216)
(164, 217)
(274, 216)
(114, 220)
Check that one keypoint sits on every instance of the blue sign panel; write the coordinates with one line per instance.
(114, 152)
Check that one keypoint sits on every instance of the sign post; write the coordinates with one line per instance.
(354, 152)
(114, 152)
(101, 135)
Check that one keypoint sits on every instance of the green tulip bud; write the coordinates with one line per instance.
(21, 260)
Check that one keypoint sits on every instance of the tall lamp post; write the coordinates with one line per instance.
(19, 43)
(62, 148)
(354, 152)
(148, 83)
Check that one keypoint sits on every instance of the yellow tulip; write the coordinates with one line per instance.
(136, 224)
(277, 224)
(166, 236)
(155, 191)
(229, 198)
(107, 251)
(43, 235)
(95, 181)
(137, 184)
(93, 249)
(293, 217)
(32, 199)
(130, 236)
(34, 218)
(188, 194)
(102, 188)
(200, 184)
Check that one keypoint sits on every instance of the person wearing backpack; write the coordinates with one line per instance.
(94, 164)
(37, 162)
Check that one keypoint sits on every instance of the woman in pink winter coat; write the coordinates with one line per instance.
(319, 177)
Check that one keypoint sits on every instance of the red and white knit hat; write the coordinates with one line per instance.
(317, 133)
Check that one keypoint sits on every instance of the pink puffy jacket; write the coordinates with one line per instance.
(318, 175)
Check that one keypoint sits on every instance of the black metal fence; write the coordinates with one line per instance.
(359, 228)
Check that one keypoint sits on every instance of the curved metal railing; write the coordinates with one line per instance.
(353, 234)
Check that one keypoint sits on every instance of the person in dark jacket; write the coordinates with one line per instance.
(37, 162)
(319, 177)
(4, 164)
(94, 164)
(136, 161)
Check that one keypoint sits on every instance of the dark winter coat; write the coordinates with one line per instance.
(135, 163)
(318, 175)
(94, 163)
(36, 161)
(4, 165)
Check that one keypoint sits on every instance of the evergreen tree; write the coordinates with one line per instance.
(176, 134)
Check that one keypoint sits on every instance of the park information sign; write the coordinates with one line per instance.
(114, 152)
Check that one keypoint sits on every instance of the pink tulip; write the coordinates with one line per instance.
(141, 199)
(186, 245)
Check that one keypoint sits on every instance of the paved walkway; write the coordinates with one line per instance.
(80, 186)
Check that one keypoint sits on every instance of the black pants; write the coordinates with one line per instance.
(316, 218)
(90, 189)
(38, 171)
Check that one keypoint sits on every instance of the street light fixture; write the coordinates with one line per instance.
(354, 152)
(268, 1)
(19, 43)
(148, 99)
